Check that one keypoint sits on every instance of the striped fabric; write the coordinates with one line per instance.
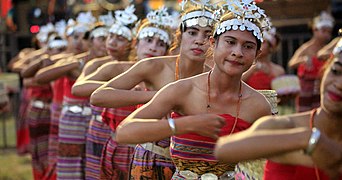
(148, 165)
(55, 109)
(97, 136)
(22, 128)
(39, 124)
(71, 139)
(115, 158)
(193, 152)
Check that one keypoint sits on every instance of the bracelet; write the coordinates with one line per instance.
(172, 125)
(315, 135)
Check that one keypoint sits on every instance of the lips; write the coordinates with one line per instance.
(197, 51)
(334, 97)
(149, 55)
(234, 62)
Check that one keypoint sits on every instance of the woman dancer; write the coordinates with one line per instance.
(298, 146)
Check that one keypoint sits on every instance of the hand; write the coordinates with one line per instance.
(207, 125)
(328, 156)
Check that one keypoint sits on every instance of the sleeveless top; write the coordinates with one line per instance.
(260, 80)
(195, 153)
(310, 72)
(68, 83)
(114, 116)
(58, 90)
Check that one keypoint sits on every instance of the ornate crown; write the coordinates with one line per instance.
(201, 17)
(157, 18)
(323, 20)
(246, 14)
(124, 19)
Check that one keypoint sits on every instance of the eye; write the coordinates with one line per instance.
(192, 33)
(148, 39)
(161, 44)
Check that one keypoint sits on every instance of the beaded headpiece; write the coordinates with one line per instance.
(201, 16)
(158, 18)
(246, 17)
(100, 31)
(323, 20)
(55, 42)
(124, 19)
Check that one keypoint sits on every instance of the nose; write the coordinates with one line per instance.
(199, 40)
(153, 47)
(237, 51)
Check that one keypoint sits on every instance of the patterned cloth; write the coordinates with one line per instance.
(195, 153)
(148, 165)
(73, 125)
(38, 116)
(97, 136)
(22, 128)
(309, 78)
(115, 158)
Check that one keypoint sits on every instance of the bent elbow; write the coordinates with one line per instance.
(95, 99)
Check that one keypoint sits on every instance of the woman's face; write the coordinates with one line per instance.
(331, 87)
(151, 47)
(195, 42)
(235, 51)
(117, 46)
(75, 43)
(99, 46)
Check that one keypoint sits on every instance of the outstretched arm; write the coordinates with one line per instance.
(120, 88)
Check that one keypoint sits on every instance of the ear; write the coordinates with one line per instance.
(257, 56)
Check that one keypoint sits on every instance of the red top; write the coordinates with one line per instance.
(58, 90)
(114, 116)
(41, 92)
(277, 171)
(310, 72)
(260, 80)
(68, 83)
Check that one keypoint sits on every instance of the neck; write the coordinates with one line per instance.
(188, 67)
(330, 123)
(223, 82)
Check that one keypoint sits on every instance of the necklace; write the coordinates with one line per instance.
(312, 115)
(177, 69)
(237, 107)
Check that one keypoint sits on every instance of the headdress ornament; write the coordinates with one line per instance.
(83, 22)
(323, 20)
(270, 34)
(124, 19)
(107, 19)
(246, 14)
(158, 18)
(60, 27)
(100, 31)
(201, 17)
(55, 42)
(44, 31)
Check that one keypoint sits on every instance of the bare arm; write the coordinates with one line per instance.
(149, 119)
(88, 84)
(53, 72)
(119, 89)
(298, 58)
(325, 52)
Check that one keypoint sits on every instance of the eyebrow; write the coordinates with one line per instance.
(338, 63)
(227, 36)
